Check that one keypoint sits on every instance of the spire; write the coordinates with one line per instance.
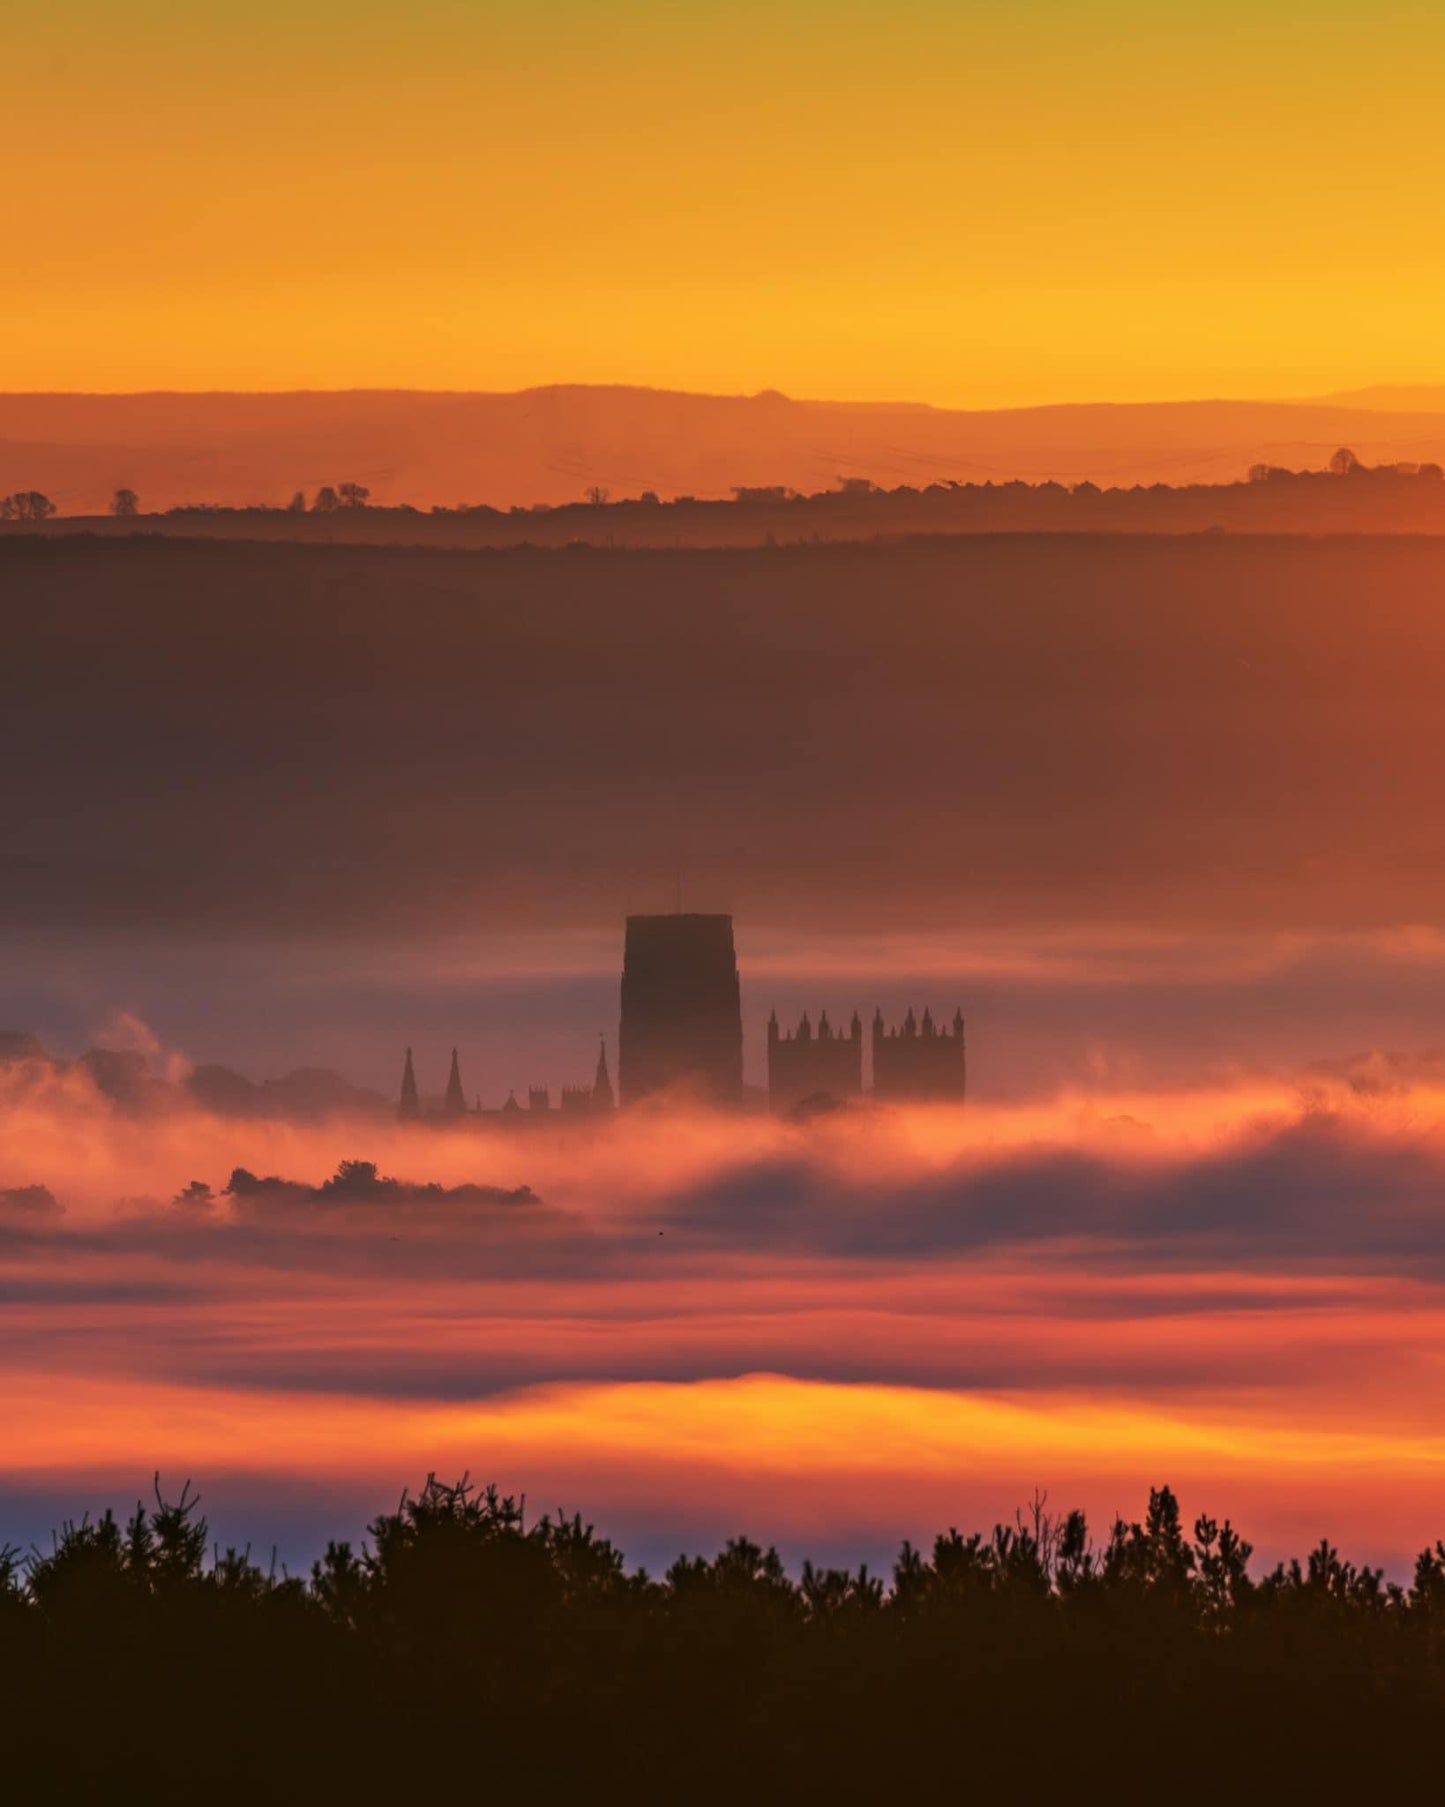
(602, 1099)
(410, 1107)
(825, 1028)
(455, 1102)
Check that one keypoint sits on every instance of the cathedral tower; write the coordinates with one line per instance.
(682, 1026)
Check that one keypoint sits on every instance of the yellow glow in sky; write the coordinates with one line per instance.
(942, 200)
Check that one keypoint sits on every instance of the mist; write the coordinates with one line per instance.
(703, 1322)
(329, 742)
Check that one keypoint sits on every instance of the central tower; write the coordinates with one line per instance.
(682, 1023)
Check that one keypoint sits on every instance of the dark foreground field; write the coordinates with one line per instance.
(463, 1650)
(938, 731)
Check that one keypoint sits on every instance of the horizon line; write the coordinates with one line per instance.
(1345, 399)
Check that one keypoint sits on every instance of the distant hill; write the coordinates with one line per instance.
(554, 445)
(1400, 398)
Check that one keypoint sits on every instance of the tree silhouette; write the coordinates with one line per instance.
(353, 495)
(1344, 462)
(462, 1639)
(26, 505)
(327, 501)
(125, 502)
(297, 504)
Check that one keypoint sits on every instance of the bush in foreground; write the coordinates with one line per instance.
(463, 1648)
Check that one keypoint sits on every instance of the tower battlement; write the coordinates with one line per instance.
(808, 1062)
(919, 1062)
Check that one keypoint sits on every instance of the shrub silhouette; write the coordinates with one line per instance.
(463, 1646)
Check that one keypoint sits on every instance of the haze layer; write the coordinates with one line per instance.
(559, 445)
(960, 732)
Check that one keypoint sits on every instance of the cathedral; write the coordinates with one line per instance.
(577, 1102)
(916, 1063)
(681, 1039)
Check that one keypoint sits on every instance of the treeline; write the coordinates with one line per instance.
(1048, 503)
(35, 505)
(464, 1647)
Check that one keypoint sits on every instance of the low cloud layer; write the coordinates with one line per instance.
(1202, 1277)
(1321, 1188)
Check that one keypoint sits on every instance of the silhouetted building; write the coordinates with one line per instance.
(602, 1099)
(590, 1101)
(455, 1102)
(919, 1063)
(682, 1024)
(576, 1101)
(807, 1064)
(682, 1033)
(409, 1108)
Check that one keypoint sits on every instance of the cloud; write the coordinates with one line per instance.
(1228, 1265)
(1322, 1187)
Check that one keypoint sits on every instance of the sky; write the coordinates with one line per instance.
(937, 200)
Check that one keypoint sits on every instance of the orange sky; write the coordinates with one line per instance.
(945, 201)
